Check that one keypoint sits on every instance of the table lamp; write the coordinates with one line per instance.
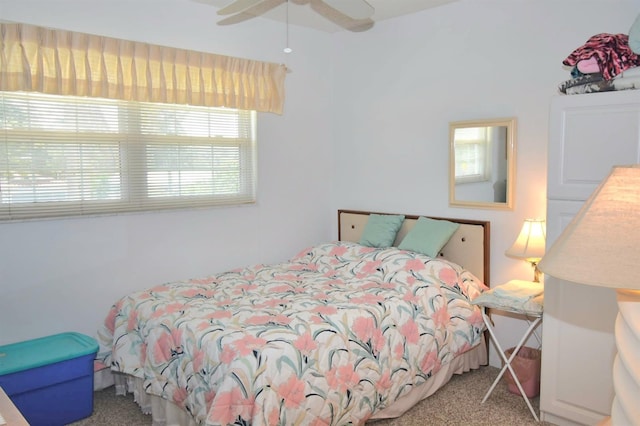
(530, 244)
(601, 247)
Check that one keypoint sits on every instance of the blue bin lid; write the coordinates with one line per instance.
(44, 351)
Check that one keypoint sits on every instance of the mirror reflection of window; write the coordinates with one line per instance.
(482, 163)
(472, 154)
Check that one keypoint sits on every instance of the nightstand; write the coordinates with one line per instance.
(519, 297)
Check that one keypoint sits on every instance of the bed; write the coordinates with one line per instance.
(342, 333)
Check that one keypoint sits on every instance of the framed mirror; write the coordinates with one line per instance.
(482, 163)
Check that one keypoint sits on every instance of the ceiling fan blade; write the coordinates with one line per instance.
(263, 7)
(356, 9)
(237, 6)
(339, 18)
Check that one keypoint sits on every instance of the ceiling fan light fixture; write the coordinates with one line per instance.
(352, 15)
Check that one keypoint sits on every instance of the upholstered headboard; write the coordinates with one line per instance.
(468, 247)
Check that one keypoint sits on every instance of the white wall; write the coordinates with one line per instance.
(402, 82)
(365, 127)
(63, 275)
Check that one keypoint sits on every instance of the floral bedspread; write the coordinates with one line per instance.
(328, 338)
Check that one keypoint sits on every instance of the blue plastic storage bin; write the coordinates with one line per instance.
(50, 379)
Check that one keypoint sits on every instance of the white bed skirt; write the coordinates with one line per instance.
(165, 413)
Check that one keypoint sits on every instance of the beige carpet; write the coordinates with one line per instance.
(456, 404)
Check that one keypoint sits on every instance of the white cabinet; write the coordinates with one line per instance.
(588, 134)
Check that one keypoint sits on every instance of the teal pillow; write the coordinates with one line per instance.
(428, 236)
(381, 229)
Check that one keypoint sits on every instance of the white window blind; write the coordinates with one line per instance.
(67, 156)
(472, 154)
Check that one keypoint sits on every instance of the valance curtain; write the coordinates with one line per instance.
(69, 63)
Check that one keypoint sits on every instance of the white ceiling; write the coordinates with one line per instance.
(303, 15)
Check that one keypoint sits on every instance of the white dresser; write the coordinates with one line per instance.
(588, 134)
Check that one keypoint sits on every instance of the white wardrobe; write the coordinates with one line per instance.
(589, 134)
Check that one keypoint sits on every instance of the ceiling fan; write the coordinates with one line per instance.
(353, 15)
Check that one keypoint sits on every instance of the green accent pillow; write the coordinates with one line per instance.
(381, 229)
(428, 236)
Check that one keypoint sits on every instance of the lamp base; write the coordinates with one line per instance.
(625, 410)
(536, 272)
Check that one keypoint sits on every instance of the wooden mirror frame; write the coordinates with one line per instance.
(506, 169)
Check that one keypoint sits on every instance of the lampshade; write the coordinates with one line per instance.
(601, 245)
(530, 242)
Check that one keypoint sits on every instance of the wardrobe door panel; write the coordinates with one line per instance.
(578, 343)
(588, 138)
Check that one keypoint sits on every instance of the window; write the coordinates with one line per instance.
(473, 148)
(67, 156)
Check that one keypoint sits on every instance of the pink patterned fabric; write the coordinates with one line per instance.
(329, 338)
(611, 51)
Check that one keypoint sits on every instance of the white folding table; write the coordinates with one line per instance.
(534, 318)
